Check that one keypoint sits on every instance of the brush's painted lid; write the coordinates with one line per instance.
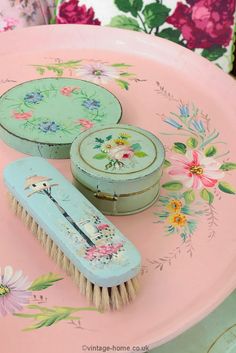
(43, 117)
(117, 154)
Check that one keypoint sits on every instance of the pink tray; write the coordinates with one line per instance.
(187, 240)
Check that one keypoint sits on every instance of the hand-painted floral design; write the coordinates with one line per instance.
(98, 73)
(7, 24)
(177, 215)
(67, 91)
(17, 293)
(33, 97)
(14, 293)
(103, 252)
(119, 151)
(205, 24)
(95, 71)
(49, 126)
(196, 174)
(71, 12)
(85, 123)
(91, 104)
(22, 115)
(27, 108)
(196, 170)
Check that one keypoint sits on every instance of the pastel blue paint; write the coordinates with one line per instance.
(91, 242)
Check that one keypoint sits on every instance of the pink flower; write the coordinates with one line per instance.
(7, 24)
(71, 12)
(87, 124)
(98, 73)
(204, 23)
(66, 91)
(121, 152)
(195, 170)
(13, 291)
(22, 116)
(102, 251)
(102, 226)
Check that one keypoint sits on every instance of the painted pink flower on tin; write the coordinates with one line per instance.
(195, 170)
(67, 91)
(102, 251)
(98, 73)
(13, 291)
(85, 123)
(121, 152)
(22, 116)
(102, 226)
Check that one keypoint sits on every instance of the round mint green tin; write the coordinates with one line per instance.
(118, 167)
(42, 117)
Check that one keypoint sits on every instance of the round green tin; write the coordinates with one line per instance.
(42, 117)
(118, 167)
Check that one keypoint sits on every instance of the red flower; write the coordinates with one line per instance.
(204, 23)
(22, 116)
(71, 12)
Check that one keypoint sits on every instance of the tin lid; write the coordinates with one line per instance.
(116, 153)
(53, 111)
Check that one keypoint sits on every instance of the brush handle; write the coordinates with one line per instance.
(87, 238)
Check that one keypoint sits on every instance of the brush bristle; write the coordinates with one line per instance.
(113, 298)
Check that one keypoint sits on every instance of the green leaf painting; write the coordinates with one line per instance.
(207, 196)
(226, 187)
(173, 185)
(228, 166)
(44, 282)
(189, 196)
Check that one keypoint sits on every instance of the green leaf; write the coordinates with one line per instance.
(166, 164)
(126, 74)
(132, 6)
(40, 70)
(124, 22)
(155, 14)
(140, 154)
(99, 140)
(192, 142)
(214, 52)
(207, 196)
(123, 84)
(173, 185)
(228, 166)
(136, 147)
(189, 196)
(226, 187)
(171, 34)
(100, 156)
(179, 147)
(108, 138)
(121, 65)
(210, 151)
(44, 281)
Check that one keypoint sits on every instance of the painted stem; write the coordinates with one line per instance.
(69, 219)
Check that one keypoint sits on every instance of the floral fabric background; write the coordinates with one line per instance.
(22, 13)
(205, 26)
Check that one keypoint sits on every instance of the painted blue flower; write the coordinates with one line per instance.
(33, 97)
(173, 123)
(198, 126)
(49, 126)
(184, 110)
(91, 104)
